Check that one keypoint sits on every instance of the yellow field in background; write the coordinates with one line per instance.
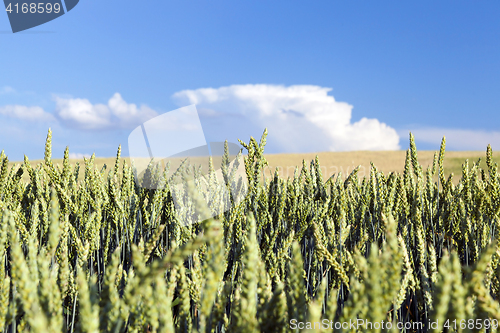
(332, 163)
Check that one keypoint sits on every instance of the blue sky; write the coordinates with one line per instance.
(321, 75)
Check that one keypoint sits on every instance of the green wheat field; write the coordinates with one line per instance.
(406, 241)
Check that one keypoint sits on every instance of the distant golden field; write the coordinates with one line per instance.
(386, 161)
(333, 163)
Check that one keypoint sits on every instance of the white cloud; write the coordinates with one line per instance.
(82, 114)
(458, 139)
(78, 156)
(300, 118)
(30, 113)
(7, 90)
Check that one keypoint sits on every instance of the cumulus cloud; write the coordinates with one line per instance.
(458, 139)
(300, 118)
(29, 113)
(82, 114)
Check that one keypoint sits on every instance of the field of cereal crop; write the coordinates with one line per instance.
(334, 162)
(90, 250)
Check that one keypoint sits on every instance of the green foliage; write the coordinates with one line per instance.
(106, 255)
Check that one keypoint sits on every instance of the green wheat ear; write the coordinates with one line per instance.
(48, 148)
(440, 161)
(244, 318)
(295, 288)
(442, 293)
(4, 278)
